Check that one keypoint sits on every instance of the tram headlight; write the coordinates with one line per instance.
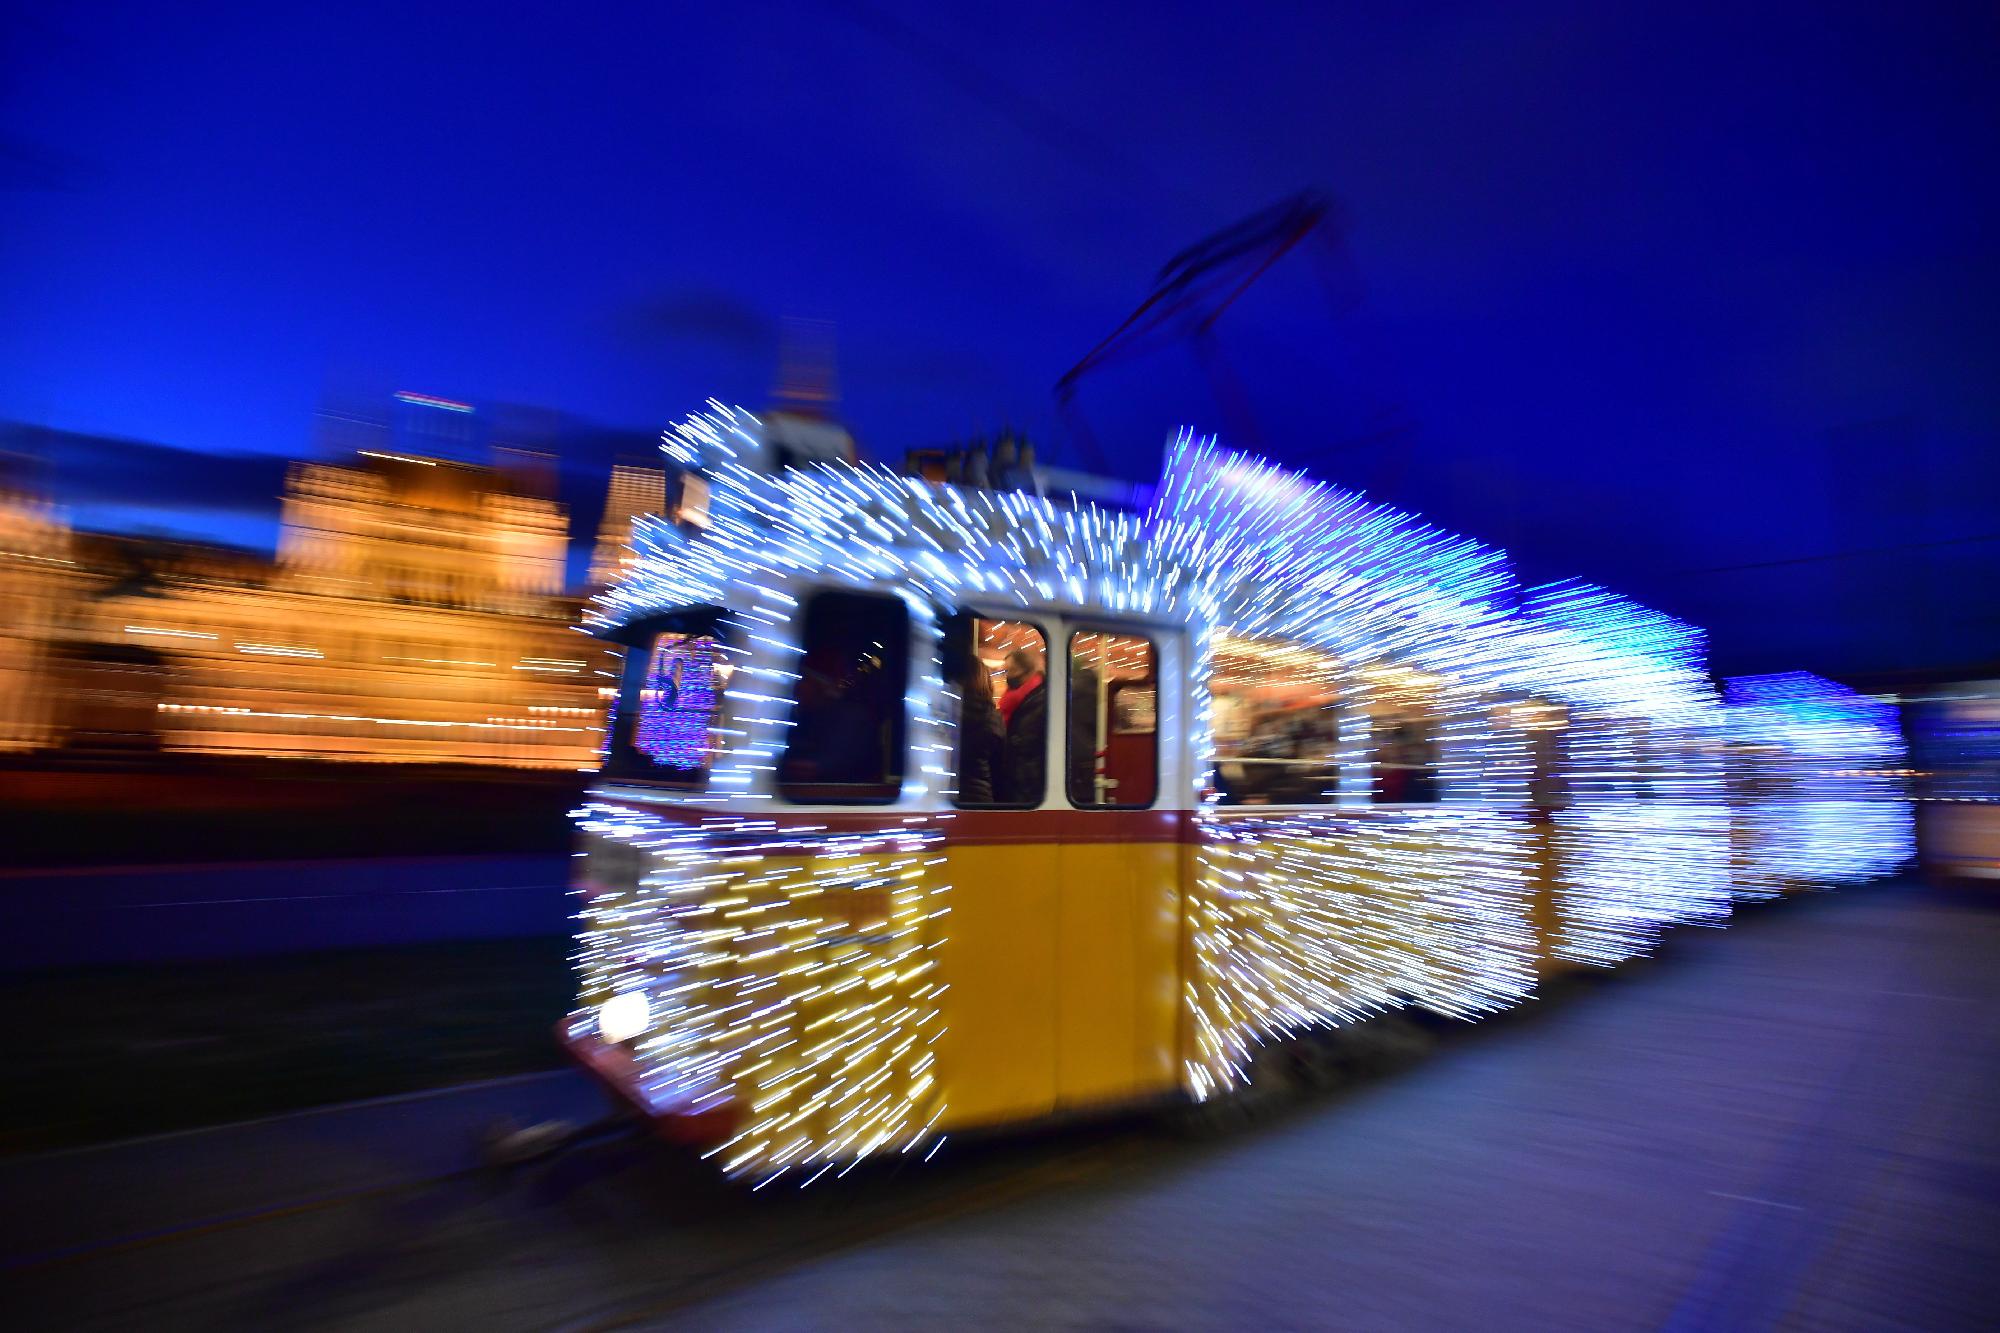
(624, 1016)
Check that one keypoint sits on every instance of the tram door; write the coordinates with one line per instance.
(1118, 919)
(999, 1045)
(1064, 945)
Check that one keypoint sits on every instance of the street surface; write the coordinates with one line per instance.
(1789, 1124)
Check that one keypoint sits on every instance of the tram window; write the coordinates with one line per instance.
(1404, 710)
(1406, 761)
(673, 723)
(999, 670)
(1547, 755)
(1276, 731)
(1113, 752)
(665, 721)
(846, 744)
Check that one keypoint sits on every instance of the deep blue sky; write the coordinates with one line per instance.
(1648, 298)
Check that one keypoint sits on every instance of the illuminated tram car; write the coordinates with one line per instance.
(853, 880)
(1819, 784)
(1955, 737)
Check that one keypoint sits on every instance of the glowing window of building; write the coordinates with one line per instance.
(1277, 729)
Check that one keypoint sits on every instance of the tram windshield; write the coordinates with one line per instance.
(1113, 753)
(999, 670)
(847, 735)
(677, 703)
(664, 721)
(1276, 728)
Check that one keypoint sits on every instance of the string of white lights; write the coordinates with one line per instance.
(789, 977)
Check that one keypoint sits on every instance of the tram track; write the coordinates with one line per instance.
(698, 1238)
(192, 1211)
(966, 1199)
(626, 1234)
(834, 1236)
(679, 1238)
(46, 1261)
(698, 1241)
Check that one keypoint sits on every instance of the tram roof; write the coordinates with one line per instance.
(1227, 541)
(1809, 713)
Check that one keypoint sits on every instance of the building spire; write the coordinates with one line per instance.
(808, 381)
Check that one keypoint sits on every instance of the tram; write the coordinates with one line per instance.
(1956, 748)
(927, 809)
(1819, 788)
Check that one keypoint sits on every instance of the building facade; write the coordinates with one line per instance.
(635, 492)
(38, 578)
(414, 613)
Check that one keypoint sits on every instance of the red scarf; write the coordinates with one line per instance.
(1012, 698)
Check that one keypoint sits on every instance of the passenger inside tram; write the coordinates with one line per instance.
(847, 728)
(1000, 755)
(1406, 766)
(1024, 713)
(980, 732)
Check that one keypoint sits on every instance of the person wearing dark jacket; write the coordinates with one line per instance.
(1085, 743)
(980, 736)
(1023, 751)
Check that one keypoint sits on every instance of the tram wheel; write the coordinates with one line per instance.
(1311, 1064)
(1221, 1116)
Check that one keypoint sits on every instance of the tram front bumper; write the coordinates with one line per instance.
(612, 1065)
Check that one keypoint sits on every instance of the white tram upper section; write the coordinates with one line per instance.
(1229, 549)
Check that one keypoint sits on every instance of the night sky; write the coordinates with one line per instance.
(1699, 302)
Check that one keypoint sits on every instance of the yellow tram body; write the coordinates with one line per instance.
(1063, 982)
(1061, 967)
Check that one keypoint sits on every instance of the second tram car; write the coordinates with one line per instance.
(927, 809)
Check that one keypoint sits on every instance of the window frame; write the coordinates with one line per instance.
(782, 789)
(1151, 639)
(1041, 629)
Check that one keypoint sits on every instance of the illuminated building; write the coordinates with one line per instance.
(414, 613)
(421, 531)
(36, 580)
(635, 492)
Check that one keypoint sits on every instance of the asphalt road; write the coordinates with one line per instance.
(1794, 1123)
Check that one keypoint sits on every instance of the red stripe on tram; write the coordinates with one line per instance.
(962, 827)
(975, 828)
